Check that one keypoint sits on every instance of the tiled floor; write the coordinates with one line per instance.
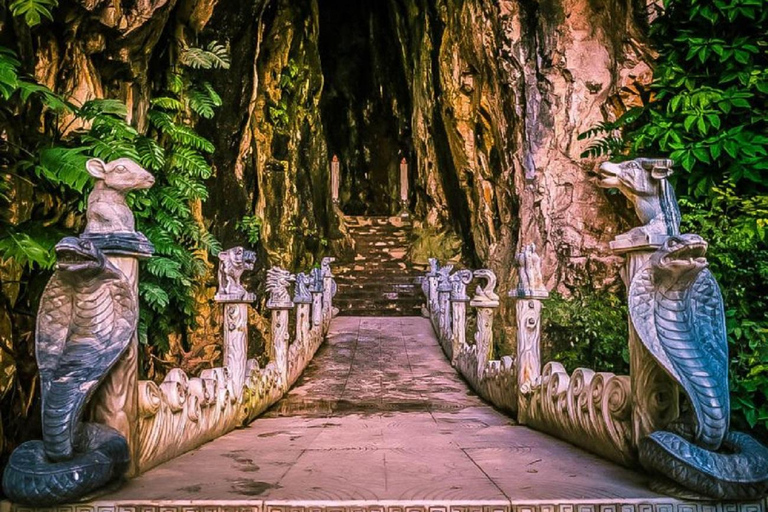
(380, 416)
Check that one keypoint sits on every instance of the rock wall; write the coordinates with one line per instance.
(485, 98)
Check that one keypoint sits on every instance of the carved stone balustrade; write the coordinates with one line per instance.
(492, 379)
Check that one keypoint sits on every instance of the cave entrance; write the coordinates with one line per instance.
(365, 104)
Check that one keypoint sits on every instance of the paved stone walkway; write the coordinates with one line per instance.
(381, 417)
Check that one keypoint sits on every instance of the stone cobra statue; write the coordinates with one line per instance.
(677, 309)
(88, 315)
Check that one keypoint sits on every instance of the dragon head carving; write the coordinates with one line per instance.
(278, 281)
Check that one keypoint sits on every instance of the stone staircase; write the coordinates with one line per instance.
(380, 281)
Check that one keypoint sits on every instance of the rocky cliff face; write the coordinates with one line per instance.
(484, 98)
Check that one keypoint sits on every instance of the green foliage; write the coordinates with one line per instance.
(177, 157)
(587, 330)
(213, 56)
(33, 11)
(278, 111)
(172, 150)
(738, 257)
(707, 108)
(251, 225)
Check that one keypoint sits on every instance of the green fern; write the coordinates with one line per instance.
(29, 244)
(214, 56)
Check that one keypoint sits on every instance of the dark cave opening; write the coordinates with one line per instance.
(365, 103)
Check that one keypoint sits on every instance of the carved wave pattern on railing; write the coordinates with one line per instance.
(184, 412)
(589, 409)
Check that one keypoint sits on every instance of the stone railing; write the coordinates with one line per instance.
(446, 303)
(589, 409)
(678, 347)
(184, 412)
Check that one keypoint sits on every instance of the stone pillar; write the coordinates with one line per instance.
(329, 290)
(528, 296)
(432, 277)
(302, 298)
(280, 304)
(444, 309)
(231, 293)
(335, 180)
(655, 396)
(485, 301)
(317, 297)
(459, 299)
(111, 227)
(404, 187)
(116, 402)
(236, 343)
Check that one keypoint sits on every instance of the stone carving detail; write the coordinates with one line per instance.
(677, 310)
(494, 380)
(589, 409)
(301, 293)
(485, 296)
(317, 296)
(325, 265)
(85, 335)
(329, 285)
(531, 283)
(110, 222)
(278, 281)
(459, 281)
(107, 210)
(87, 318)
(232, 263)
(317, 280)
(183, 413)
(644, 182)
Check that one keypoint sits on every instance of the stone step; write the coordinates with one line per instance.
(352, 286)
(380, 279)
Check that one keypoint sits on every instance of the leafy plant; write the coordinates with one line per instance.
(251, 225)
(278, 111)
(587, 330)
(172, 150)
(33, 11)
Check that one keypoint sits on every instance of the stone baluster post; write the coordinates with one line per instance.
(335, 180)
(116, 402)
(655, 396)
(644, 182)
(528, 295)
(235, 299)
(485, 301)
(459, 299)
(329, 290)
(317, 297)
(444, 310)
(280, 304)
(303, 299)
(432, 277)
(404, 187)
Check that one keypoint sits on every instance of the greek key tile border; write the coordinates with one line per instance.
(618, 506)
